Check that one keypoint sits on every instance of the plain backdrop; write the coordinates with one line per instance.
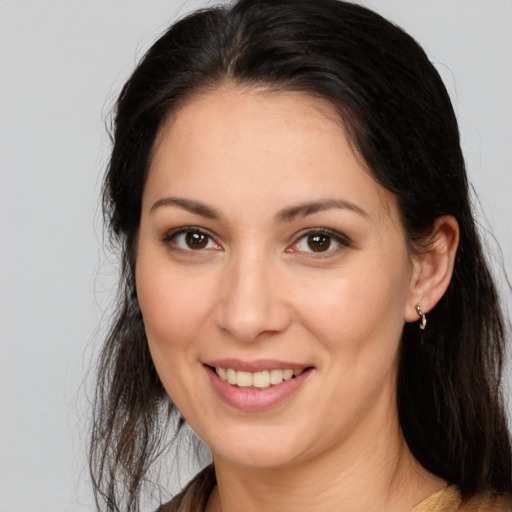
(61, 65)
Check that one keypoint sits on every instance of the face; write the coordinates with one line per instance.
(273, 275)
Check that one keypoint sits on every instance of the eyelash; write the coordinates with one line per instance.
(333, 236)
(171, 237)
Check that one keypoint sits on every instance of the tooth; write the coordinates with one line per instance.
(261, 379)
(276, 377)
(287, 374)
(231, 375)
(244, 379)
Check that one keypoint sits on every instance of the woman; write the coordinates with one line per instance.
(288, 190)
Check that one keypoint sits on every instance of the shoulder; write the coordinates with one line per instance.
(195, 495)
(450, 499)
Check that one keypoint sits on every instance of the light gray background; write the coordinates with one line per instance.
(61, 65)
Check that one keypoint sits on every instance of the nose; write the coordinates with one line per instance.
(251, 304)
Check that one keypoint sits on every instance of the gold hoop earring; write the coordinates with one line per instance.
(423, 317)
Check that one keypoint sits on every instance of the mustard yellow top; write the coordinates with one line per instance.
(194, 497)
(450, 500)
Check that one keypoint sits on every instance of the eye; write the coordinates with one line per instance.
(320, 241)
(190, 239)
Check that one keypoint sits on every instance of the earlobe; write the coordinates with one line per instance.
(433, 267)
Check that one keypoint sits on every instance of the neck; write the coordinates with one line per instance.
(381, 475)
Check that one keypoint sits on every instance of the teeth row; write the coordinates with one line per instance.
(258, 379)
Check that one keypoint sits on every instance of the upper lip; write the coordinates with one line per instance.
(256, 366)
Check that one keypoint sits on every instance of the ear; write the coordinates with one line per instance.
(433, 267)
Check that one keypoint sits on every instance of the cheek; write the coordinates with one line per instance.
(357, 309)
(173, 307)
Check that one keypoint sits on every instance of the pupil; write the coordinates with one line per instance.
(196, 240)
(319, 243)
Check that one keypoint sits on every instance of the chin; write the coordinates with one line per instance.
(265, 448)
(256, 457)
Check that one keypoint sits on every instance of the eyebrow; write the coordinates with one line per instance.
(289, 214)
(188, 204)
(285, 215)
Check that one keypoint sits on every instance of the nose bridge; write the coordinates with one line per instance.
(249, 303)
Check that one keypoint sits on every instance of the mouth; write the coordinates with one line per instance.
(258, 385)
(257, 380)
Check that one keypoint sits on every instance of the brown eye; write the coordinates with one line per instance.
(323, 241)
(319, 242)
(191, 240)
(196, 240)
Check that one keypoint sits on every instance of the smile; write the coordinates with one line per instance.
(261, 380)
(257, 385)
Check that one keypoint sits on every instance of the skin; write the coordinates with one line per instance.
(257, 291)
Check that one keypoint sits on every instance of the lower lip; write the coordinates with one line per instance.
(254, 399)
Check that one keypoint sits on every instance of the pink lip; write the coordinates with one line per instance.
(256, 366)
(252, 399)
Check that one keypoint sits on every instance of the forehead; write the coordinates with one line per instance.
(244, 109)
(255, 142)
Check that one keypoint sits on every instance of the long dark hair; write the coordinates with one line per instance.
(400, 119)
